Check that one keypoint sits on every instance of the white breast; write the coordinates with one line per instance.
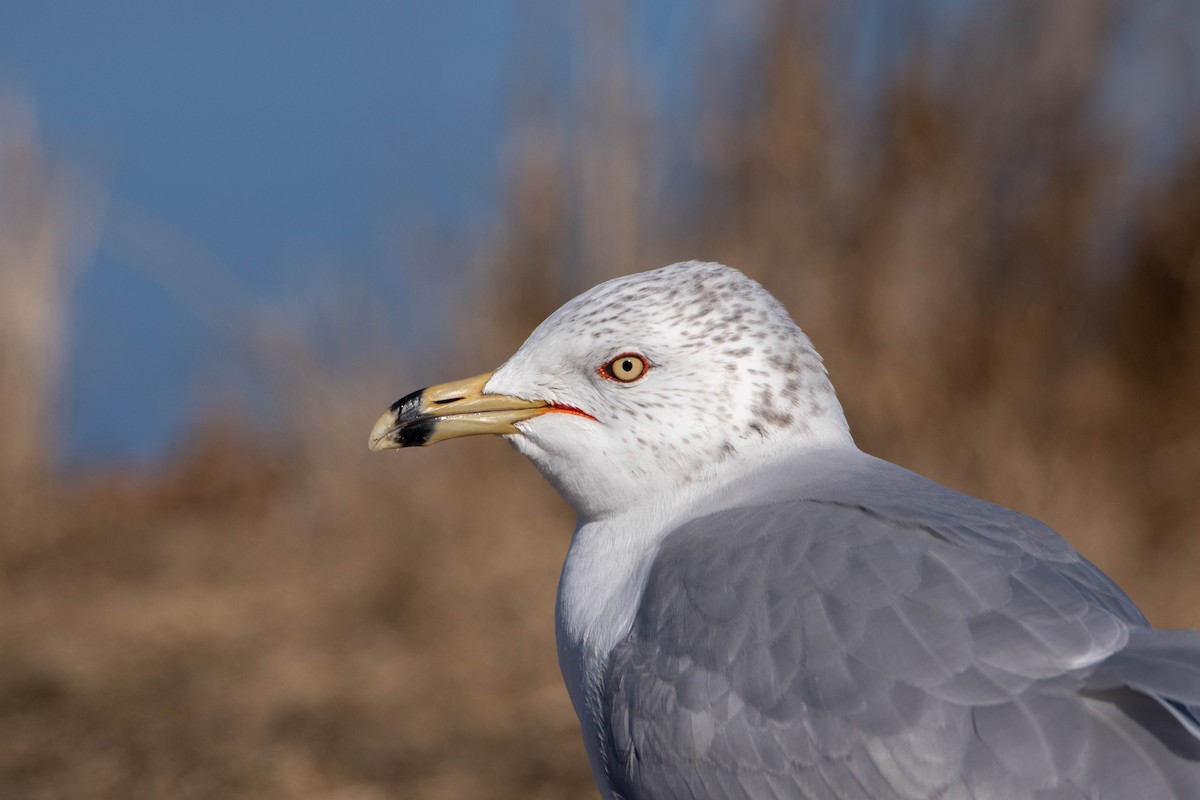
(598, 595)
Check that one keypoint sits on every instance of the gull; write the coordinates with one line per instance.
(752, 607)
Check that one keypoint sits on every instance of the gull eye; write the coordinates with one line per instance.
(625, 368)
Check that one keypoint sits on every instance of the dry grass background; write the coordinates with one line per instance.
(1007, 297)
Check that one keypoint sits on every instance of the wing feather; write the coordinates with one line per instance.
(824, 648)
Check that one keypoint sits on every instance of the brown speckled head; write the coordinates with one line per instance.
(728, 377)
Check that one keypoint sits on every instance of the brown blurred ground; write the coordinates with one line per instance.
(1006, 302)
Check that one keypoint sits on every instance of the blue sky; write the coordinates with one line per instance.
(282, 138)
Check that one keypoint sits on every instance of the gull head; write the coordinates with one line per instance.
(642, 385)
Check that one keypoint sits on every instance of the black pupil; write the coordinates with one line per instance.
(627, 365)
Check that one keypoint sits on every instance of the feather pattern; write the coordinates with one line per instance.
(881, 636)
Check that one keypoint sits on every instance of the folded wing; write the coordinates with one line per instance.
(821, 648)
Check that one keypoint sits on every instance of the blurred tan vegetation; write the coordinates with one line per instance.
(1007, 298)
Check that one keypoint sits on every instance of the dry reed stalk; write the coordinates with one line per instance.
(33, 293)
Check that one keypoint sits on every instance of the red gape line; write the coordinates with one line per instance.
(571, 410)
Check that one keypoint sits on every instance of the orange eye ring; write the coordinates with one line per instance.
(626, 368)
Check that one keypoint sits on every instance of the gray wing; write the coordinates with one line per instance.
(826, 649)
